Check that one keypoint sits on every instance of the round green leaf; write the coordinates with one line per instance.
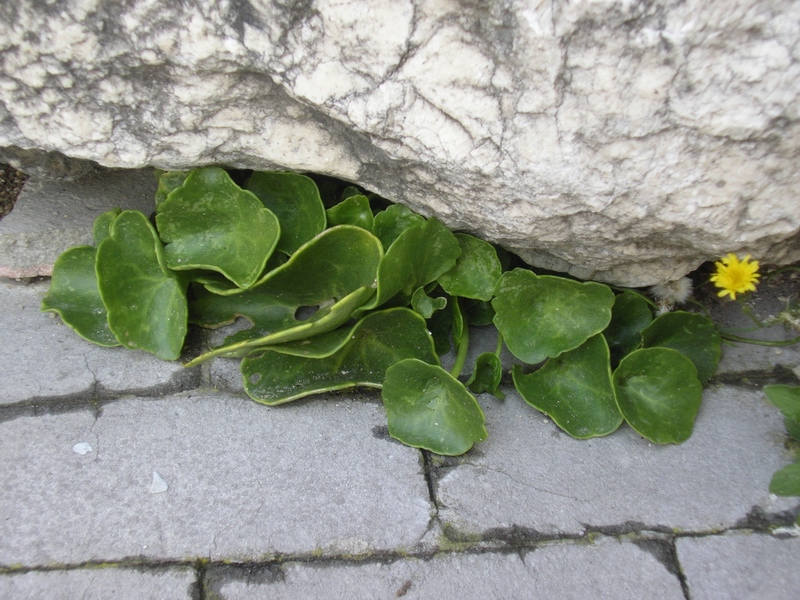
(417, 257)
(629, 316)
(353, 210)
(658, 394)
(786, 482)
(378, 341)
(102, 225)
(541, 317)
(575, 390)
(792, 428)
(486, 375)
(211, 223)
(425, 305)
(428, 408)
(334, 273)
(146, 301)
(476, 271)
(390, 223)
(73, 294)
(478, 312)
(786, 398)
(169, 181)
(333, 264)
(693, 335)
(295, 199)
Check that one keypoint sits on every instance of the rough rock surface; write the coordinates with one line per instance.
(619, 140)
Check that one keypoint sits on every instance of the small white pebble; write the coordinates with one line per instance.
(158, 485)
(778, 351)
(81, 448)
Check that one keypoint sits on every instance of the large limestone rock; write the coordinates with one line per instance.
(620, 140)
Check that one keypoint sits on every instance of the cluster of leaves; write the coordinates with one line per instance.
(786, 482)
(363, 294)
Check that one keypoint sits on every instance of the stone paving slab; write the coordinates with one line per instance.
(101, 584)
(605, 569)
(236, 480)
(742, 566)
(51, 216)
(43, 358)
(529, 475)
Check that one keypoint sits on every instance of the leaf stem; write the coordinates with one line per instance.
(736, 338)
(500, 341)
(462, 345)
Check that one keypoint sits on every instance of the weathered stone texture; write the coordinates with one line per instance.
(618, 140)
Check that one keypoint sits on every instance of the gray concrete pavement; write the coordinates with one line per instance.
(52, 216)
(128, 477)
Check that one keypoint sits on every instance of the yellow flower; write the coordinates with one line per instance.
(734, 276)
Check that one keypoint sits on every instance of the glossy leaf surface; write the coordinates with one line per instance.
(486, 375)
(425, 305)
(428, 408)
(786, 482)
(390, 223)
(541, 317)
(324, 320)
(378, 341)
(146, 301)
(658, 394)
(74, 295)
(353, 210)
(169, 181)
(101, 228)
(575, 390)
(417, 257)
(211, 223)
(693, 335)
(476, 271)
(295, 199)
(629, 317)
(478, 312)
(333, 264)
(786, 398)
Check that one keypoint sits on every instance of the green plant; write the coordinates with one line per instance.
(360, 295)
(786, 481)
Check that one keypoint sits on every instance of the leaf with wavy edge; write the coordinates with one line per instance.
(428, 408)
(211, 223)
(693, 335)
(353, 210)
(390, 223)
(74, 295)
(630, 315)
(658, 394)
(542, 316)
(417, 257)
(146, 301)
(476, 271)
(295, 199)
(325, 320)
(376, 342)
(575, 390)
(335, 272)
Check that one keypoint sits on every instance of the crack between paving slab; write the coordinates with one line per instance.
(93, 388)
(679, 567)
(73, 403)
(200, 583)
(203, 567)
